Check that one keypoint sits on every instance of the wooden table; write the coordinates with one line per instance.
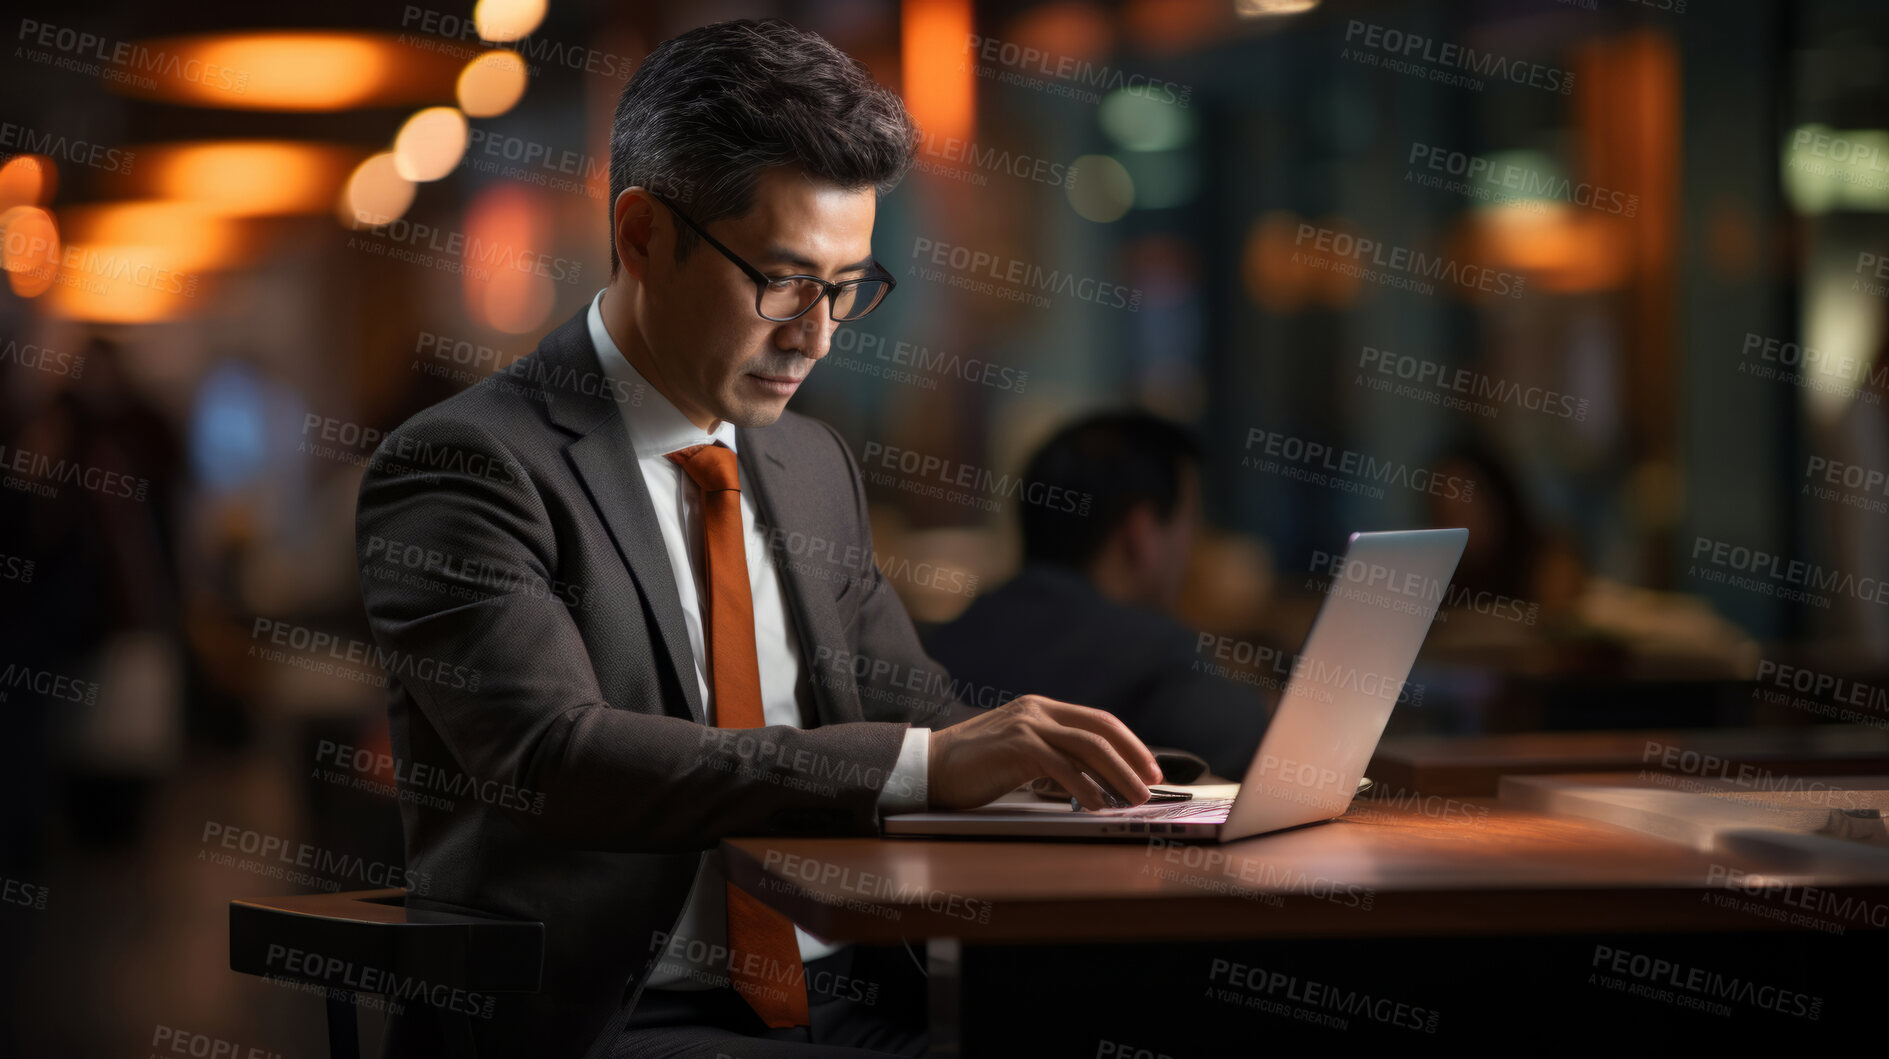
(1472, 765)
(1451, 867)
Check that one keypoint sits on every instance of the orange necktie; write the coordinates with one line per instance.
(764, 957)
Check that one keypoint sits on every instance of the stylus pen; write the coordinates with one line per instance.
(1116, 801)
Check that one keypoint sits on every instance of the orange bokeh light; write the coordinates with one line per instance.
(299, 71)
(29, 249)
(940, 82)
(186, 235)
(245, 178)
(508, 221)
(27, 180)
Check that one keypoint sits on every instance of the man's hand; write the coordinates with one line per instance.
(977, 760)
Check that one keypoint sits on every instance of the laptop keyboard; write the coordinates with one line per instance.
(1202, 809)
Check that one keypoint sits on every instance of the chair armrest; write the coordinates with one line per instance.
(371, 942)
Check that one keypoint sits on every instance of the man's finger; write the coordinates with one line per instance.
(1077, 783)
(1110, 727)
(1094, 754)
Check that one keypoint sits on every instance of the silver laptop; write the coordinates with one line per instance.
(1310, 763)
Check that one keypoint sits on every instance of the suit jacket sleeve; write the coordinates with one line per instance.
(523, 706)
(897, 680)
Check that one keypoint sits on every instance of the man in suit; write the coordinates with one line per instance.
(562, 566)
(1087, 618)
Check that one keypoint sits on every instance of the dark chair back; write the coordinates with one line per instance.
(369, 941)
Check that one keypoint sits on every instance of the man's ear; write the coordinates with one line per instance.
(634, 229)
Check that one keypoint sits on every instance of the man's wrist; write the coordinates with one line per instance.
(907, 787)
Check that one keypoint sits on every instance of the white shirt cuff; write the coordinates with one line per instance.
(907, 786)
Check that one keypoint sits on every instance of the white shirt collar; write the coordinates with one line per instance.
(658, 427)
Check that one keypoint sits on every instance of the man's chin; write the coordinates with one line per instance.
(751, 415)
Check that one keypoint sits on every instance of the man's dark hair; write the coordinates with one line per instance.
(708, 110)
(1119, 460)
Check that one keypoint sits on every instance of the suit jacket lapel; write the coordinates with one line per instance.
(816, 620)
(579, 400)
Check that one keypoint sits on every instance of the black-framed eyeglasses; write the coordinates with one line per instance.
(785, 298)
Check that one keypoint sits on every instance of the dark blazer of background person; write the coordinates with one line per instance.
(1050, 631)
(1085, 620)
(544, 658)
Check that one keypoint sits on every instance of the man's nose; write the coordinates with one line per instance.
(812, 333)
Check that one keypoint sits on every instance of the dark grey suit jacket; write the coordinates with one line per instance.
(554, 765)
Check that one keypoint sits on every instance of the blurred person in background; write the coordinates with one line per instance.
(1089, 617)
(101, 606)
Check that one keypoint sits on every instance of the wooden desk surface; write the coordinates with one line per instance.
(1463, 867)
(1472, 765)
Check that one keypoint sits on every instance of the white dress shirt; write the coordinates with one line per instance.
(654, 429)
